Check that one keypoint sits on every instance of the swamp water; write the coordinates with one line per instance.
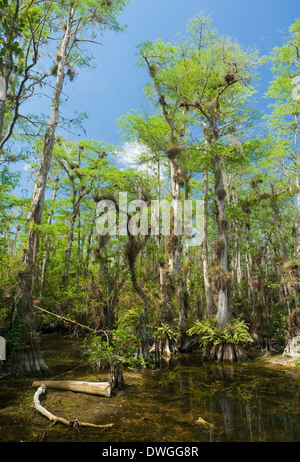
(186, 401)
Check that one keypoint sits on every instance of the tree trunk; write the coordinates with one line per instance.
(65, 278)
(131, 254)
(295, 161)
(177, 253)
(292, 348)
(88, 246)
(116, 378)
(208, 294)
(279, 224)
(23, 300)
(236, 253)
(223, 311)
(2, 105)
(33, 363)
(224, 352)
(176, 178)
(249, 263)
(47, 252)
(298, 217)
(14, 242)
(220, 276)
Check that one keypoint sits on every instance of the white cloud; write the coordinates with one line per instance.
(27, 168)
(133, 155)
(130, 157)
(130, 154)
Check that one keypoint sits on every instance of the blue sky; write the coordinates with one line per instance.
(115, 85)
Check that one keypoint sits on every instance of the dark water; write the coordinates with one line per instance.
(248, 402)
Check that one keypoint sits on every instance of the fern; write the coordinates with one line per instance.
(165, 331)
(206, 332)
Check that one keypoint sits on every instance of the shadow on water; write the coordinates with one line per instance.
(185, 401)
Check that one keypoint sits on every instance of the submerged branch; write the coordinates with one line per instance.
(54, 419)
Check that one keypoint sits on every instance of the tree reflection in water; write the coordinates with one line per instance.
(242, 402)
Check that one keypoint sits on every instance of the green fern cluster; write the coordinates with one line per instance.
(165, 331)
(206, 332)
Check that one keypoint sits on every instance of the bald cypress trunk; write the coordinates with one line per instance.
(177, 253)
(142, 326)
(208, 293)
(47, 252)
(116, 378)
(24, 294)
(220, 276)
(295, 162)
(223, 311)
(68, 252)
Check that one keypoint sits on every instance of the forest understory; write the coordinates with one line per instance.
(197, 246)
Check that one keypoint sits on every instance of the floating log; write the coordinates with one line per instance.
(91, 388)
(53, 418)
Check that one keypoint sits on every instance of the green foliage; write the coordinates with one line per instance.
(131, 317)
(9, 273)
(14, 340)
(12, 25)
(285, 66)
(206, 332)
(118, 346)
(165, 331)
(201, 70)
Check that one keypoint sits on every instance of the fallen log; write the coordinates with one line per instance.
(91, 388)
(62, 318)
(54, 419)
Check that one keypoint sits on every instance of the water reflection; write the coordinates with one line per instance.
(185, 401)
(230, 403)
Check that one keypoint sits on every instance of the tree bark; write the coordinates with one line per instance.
(224, 352)
(207, 287)
(23, 299)
(176, 264)
(295, 161)
(249, 262)
(142, 326)
(175, 256)
(223, 311)
(116, 378)
(47, 251)
(89, 246)
(134, 246)
(66, 274)
(278, 221)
